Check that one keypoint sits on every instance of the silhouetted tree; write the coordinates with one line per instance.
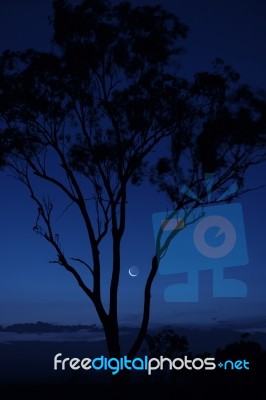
(165, 343)
(250, 376)
(87, 116)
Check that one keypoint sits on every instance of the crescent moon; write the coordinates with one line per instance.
(132, 270)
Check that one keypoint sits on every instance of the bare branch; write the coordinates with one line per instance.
(82, 262)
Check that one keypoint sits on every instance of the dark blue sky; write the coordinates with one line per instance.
(31, 289)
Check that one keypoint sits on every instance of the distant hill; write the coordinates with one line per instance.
(44, 327)
(199, 339)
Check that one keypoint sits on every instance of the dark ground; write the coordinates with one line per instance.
(26, 371)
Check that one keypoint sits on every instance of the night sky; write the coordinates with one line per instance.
(33, 289)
